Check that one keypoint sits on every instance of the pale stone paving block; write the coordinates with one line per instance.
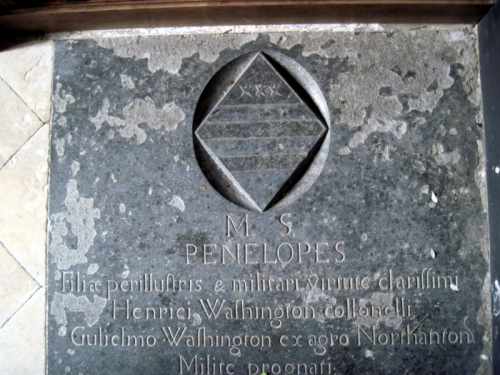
(17, 122)
(16, 285)
(22, 339)
(23, 204)
(28, 70)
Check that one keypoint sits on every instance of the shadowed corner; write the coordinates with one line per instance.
(298, 173)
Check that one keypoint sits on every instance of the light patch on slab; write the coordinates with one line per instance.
(496, 299)
(126, 272)
(93, 268)
(62, 120)
(75, 167)
(81, 216)
(315, 294)
(64, 303)
(396, 128)
(389, 72)
(59, 143)
(167, 53)
(441, 157)
(480, 176)
(344, 151)
(178, 203)
(434, 197)
(379, 299)
(127, 81)
(137, 112)
(196, 319)
(61, 99)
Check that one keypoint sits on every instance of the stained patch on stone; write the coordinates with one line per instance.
(78, 219)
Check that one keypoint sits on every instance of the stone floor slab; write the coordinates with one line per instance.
(18, 122)
(16, 286)
(28, 70)
(183, 180)
(23, 202)
(22, 339)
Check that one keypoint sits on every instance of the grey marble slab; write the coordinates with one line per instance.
(274, 203)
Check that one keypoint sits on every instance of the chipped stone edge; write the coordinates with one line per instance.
(46, 190)
(238, 29)
(48, 204)
(484, 314)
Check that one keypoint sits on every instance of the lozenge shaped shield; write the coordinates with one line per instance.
(261, 131)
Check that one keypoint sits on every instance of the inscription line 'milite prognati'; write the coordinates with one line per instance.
(260, 131)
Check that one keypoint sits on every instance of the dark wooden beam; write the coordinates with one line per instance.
(66, 15)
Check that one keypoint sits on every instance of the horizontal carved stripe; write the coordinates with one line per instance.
(262, 162)
(261, 146)
(293, 128)
(262, 112)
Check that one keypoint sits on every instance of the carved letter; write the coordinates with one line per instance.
(288, 225)
(337, 249)
(190, 252)
(229, 220)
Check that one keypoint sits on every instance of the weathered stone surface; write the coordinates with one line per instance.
(22, 339)
(13, 294)
(23, 201)
(374, 263)
(27, 70)
(19, 123)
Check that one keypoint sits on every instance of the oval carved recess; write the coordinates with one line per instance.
(261, 131)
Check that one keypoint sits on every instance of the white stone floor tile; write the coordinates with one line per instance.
(25, 92)
(22, 339)
(23, 204)
(16, 286)
(17, 122)
(28, 71)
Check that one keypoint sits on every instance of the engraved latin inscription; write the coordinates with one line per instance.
(214, 258)
(261, 132)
